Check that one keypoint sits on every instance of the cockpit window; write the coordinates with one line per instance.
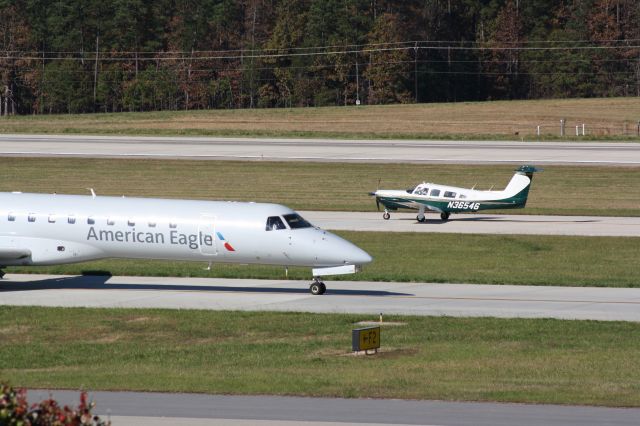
(274, 223)
(410, 190)
(295, 221)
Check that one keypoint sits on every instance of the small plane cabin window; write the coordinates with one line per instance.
(131, 222)
(31, 217)
(71, 220)
(449, 194)
(11, 217)
(173, 225)
(91, 221)
(52, 218)
(462, 196)
(435, 192)
(111, 222)
(274, 223)
(296, 221)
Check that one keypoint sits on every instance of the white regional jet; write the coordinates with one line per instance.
(43, 229)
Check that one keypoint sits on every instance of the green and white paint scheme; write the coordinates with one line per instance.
(450, 199)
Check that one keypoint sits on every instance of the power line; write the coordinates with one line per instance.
(244, 54)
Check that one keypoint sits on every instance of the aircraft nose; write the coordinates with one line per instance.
(360, 257)
(350, 254)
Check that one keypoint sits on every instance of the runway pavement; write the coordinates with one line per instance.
(329, 150)
(457, 300)
(477, 223)
(131, 408)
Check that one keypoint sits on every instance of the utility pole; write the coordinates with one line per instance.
(6, 101)
(253, 53)
(95, 72)
(415, 71)
(357, 82)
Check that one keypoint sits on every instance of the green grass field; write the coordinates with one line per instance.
(605, 119)
(320, 186)
(517, 360)
(455, 258)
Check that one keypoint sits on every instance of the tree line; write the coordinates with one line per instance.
(75, 56)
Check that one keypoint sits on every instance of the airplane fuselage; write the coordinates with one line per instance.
(43, 229)
(450, 199)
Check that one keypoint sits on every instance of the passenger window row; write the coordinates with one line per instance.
(436, 193)
(71, 219)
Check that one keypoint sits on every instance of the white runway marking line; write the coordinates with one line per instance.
(508, 299)
(339, 158)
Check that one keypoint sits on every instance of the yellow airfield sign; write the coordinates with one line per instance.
(365, 339)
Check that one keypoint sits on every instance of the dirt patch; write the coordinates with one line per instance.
(381, 324)
(387, 353)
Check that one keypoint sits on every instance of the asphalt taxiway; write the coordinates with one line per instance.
(478, 223)
(327, 150)
(131, 408)
(457, 300)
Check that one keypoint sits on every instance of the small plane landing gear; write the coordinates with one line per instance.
(421, 218)
(317, 287)
(386, 215)
(445, 215)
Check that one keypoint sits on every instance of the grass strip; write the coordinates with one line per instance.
(605, 119)
(508, 360)
(559, 190)
(442, 258)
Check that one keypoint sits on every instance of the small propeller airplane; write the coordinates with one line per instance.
(450, 199)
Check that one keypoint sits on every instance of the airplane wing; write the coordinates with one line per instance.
(396, 199)
(431, 207)
(12, 253)
(416, 203)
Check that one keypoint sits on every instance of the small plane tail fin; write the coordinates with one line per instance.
(517, 190)
(528, 170)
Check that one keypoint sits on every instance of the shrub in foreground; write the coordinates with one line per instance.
(15, 411)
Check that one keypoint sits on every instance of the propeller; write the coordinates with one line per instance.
(373, 194)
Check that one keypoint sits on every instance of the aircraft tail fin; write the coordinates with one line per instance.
(517, 191)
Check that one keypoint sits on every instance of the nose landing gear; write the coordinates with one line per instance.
(317, 287)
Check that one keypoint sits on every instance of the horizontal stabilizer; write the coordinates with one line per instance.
(528, 169)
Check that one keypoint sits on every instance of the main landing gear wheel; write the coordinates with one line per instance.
(421, 218)
(444, 215)
(386, 215)
(317, 287)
